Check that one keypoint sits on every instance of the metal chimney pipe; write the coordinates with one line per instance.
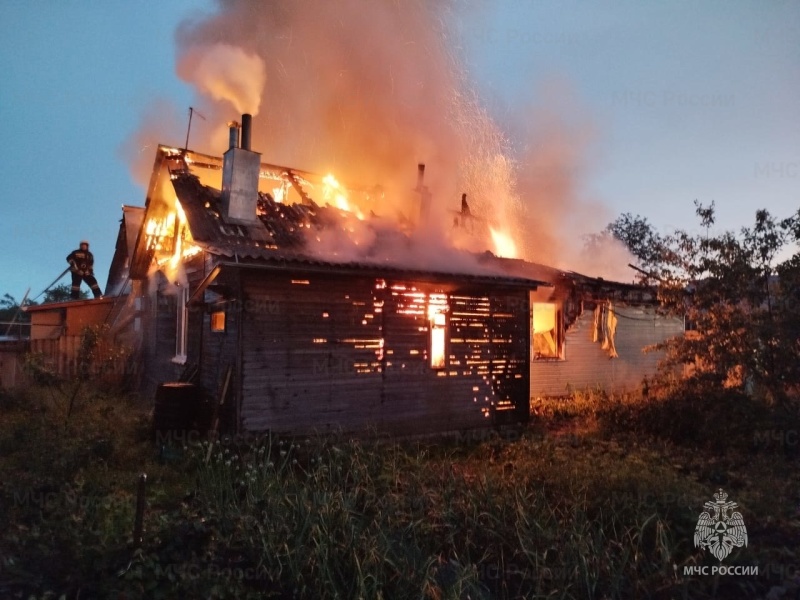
(233, 132)
(247, 121)
(420, 175)
(240, 171)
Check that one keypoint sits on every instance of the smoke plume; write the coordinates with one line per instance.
(225, 72)
(367, 90)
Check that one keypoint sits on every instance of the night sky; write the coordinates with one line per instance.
(678, 101)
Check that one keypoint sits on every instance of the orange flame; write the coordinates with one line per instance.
(503, 243)
(333, 191)
(161, 234)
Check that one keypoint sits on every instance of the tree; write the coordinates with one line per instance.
(743, 305)
(8, 307)
(641, 239)
(12, 318)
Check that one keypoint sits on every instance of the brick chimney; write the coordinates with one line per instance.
(240, 170)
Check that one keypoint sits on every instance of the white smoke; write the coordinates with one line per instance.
(225, 72)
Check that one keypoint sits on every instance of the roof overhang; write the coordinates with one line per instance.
(382, 271)
(68, 304)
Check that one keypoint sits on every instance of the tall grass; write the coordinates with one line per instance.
(597, 508)
(338, 518)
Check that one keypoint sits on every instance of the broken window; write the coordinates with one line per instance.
(547, 331)
(438, 338)
(218, 321)
(437, 315)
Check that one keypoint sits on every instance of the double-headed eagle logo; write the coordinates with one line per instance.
(719, 532)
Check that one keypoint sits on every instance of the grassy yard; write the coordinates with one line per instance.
(597, 498)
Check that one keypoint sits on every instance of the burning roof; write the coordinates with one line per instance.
(300, 218)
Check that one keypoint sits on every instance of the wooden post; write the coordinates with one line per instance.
(215, 413)
(138, 523)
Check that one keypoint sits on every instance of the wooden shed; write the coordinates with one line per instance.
(57, 328)
(12, 353)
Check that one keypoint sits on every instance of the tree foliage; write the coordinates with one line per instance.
(13, 320)
(641, 239)
(740, 298)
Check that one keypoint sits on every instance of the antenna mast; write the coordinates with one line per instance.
(192, 110)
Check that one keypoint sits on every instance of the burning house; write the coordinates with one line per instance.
(302, 311)
(227, 285)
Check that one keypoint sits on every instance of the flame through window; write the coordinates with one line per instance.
(547, 338)
(437, 315)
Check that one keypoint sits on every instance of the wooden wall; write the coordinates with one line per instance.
(68, 318)
(322, 353)
(159, 326)
(60, 353)
(586, 365)
(160, 297)
(57, 331)
(11, 358)
(219, 350)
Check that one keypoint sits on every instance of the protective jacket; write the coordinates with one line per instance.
(81, 262)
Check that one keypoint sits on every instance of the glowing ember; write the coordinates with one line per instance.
(503, 244)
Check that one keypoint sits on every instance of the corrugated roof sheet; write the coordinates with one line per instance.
(279, 260)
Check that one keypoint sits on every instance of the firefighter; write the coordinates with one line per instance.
(81, 265)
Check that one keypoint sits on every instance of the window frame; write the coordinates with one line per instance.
(559, 337)
(182, 326)
(216, 313)
(436, 330)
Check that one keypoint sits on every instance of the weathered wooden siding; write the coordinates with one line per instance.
(348, 352)
(586, 365)
(160, 322)
(57, 331)
(218, 353)
(48, 324)
(50, 321)
(490, 339)
(61, 353)
(11, 358)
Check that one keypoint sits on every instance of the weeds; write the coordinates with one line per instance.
(601, 503)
